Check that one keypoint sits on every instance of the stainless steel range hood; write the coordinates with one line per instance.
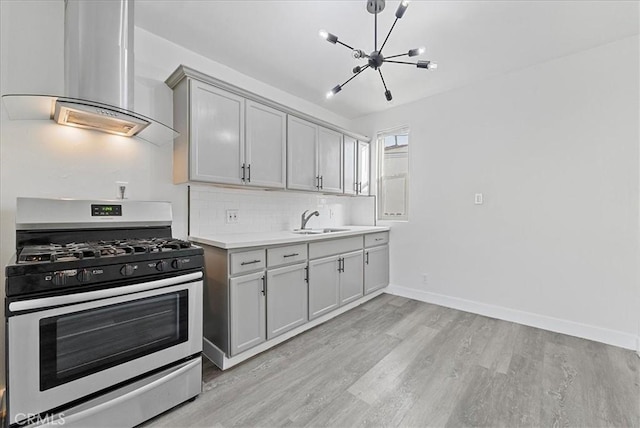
(99, 75)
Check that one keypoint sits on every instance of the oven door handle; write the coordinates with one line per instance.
(86, 414)
(50, 302)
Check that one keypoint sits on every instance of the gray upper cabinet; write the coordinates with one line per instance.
(350, 165)
(217, 134)
(247, 310)
(286, 299)
(302, 154)
(330, 160)
(265, 149)
(231, 136)
(227, 139)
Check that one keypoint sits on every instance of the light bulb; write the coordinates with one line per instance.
(432, 65)
(334, 91)
(421, 50)
(323, 34)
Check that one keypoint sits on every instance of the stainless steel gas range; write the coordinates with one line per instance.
(103, 314)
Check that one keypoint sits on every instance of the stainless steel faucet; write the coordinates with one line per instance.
(305, 218)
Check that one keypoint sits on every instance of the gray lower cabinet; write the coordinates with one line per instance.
(286, 299)
(247, 311)
(376, 268)
(324, 282)
(351, 277)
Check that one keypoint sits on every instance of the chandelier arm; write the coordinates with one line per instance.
(395, 56)
(344, 44)
(388, 34)
(375, 31)
(401, 62)
(352, 77)
(383, 82)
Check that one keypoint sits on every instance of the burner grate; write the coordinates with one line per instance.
(87, 250)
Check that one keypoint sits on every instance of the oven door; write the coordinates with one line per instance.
(64, 348)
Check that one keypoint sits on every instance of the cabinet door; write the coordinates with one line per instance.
(351, 282)
(363, 168)
(217, 135)
(247, 312)
(302, 154)
(265, 145)
(330, 160)
(286, 299)
(323, 286)
(350, 165)
(376, 268)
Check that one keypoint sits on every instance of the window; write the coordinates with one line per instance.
(393, 175)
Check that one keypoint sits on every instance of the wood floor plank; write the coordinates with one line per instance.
(447, 380)
(397, 362)
(386, 375)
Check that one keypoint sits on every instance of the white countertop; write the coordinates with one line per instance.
(230, 241)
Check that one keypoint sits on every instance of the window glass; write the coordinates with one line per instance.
(393, 174)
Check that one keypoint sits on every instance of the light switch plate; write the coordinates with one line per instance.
(479, 199)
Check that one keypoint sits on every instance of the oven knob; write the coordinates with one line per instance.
(162, 265)
(176, 264)
(84, 275)
(59, 278)
(127, 270)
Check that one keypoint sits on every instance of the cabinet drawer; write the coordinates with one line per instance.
(246, 261)
(285, 255)
(334, 246)
(373, 239)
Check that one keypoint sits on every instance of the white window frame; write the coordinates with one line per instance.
(380, 136)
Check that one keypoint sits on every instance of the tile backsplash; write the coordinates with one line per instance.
(265, 211)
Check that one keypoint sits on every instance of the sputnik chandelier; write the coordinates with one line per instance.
(375, 59)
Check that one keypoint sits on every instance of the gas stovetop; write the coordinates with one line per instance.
(68, 246)
(92, 250)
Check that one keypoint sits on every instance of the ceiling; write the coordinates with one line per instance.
(277, 42)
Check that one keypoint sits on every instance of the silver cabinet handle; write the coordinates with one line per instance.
(264, 285)
(243, 171)
(306, 274)
(249, 169)
(322, 181)
(250, 263)
(367, 260)
(290, 255)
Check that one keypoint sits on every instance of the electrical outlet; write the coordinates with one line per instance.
(232, 217)
(121, 189)
(425, 278)
(478, 199)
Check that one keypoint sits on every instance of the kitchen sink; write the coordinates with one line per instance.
(317, 231)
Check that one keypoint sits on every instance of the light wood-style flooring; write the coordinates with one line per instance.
(399, 362)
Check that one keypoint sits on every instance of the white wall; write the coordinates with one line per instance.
(555, 150)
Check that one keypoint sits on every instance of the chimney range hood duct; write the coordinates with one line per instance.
(99, 75)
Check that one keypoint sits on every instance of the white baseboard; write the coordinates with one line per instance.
(571, 328)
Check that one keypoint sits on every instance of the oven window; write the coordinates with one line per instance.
(81, 343)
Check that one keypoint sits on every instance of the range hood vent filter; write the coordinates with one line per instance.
(90, 117)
